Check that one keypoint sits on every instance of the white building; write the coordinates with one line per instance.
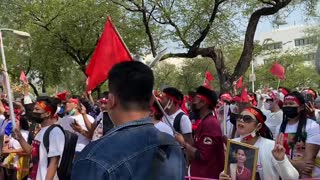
(287, 40)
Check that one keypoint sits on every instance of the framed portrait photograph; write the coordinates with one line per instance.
(241, 161)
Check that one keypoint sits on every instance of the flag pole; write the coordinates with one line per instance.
(278, 83)
(115, 29)
(164, 114)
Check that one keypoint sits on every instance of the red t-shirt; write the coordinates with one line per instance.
(209, 143)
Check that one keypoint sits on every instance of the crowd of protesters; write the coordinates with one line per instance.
(134, 132)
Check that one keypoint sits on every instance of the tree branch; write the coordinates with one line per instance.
(206, 30)
(147, 29)
(174, 25)
(125, 7)
(248, 46)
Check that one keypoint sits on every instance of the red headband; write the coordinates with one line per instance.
(292, 98)
(256, 114)
(172, 97)
(203, 98)
(72, 100)
(42, 105)
(103, 100)
(309, 91)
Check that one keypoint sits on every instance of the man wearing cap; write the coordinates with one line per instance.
(273, 112)
(207, 153)
(171, 100)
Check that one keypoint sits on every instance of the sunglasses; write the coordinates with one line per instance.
(246, 118)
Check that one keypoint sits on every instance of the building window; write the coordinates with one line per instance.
(304, 41)
(310, 57)
(272, 46)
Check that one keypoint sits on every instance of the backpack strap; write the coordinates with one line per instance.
(46, 139)
(176, 122)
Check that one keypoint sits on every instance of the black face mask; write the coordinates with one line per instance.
(195, 111)
(37, 117)
(290, 112)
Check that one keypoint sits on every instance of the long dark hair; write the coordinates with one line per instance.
(301, 131)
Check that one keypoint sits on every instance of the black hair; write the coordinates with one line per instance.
(242, 150)
(24, 124)
(104, 95)
(132, 83)
(86, 104)
(175, 93)
(211, 95)
(192, 94)
(52, 103)
(301, 131)
(158, 114)
(264, 131)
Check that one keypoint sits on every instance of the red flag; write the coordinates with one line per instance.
(109, 51)
(278, 70)
(63, 95)
(239, 83)
(209, 76)
(23, 77)
(244, 95)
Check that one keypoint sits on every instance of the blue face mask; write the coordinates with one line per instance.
(72, 112)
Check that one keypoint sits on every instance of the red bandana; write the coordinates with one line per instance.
(292, 98)
(42, 105)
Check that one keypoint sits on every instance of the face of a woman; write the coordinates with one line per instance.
(246, 123)
(241, 156)
(292, 103)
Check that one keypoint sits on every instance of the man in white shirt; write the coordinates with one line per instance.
(273, 112)
(171, 100)
(44, 163)
(74, 120)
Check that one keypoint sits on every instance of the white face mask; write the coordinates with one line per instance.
(169, 105)
(248, 136)
(267, 106)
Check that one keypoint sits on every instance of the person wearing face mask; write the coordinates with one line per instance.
(75, 122)
(44, 163)
(274, 113)
(272, 161)
(207, 152)
(302, 135)
(135, 148)
(171, 100)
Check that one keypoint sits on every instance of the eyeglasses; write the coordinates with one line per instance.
(246, 118)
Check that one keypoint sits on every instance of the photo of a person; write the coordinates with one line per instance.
(241, 161)
(238, 170)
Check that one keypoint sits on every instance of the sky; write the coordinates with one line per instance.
(296, 18)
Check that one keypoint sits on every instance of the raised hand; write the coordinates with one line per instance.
(279, 151)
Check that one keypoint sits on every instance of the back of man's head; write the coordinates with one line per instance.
(132, 84)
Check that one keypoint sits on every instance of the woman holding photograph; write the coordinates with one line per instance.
(238, 171)
(272, 161)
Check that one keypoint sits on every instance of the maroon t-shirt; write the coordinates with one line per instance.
(209, 143)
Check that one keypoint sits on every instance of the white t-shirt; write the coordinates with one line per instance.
(14, 144)
(82, 140)
(163, 127)
(313, 137)
(274, 119)
(56, 146)
(185, 123)
(98, 132)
